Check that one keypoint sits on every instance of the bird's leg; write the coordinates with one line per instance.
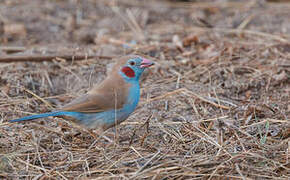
(96, 135)
(84, 130)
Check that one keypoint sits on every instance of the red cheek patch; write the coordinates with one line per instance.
(128, 72)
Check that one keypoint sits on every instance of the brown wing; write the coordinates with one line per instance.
(90, 104)
(110, 94)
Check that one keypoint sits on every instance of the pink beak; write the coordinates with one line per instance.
(146, 63)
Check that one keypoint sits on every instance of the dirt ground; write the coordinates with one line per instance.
(215, 105)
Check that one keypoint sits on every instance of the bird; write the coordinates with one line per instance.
(108, 103)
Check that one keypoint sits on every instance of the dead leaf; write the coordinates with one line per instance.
(15, 30)
(177, 42)
(187, 41)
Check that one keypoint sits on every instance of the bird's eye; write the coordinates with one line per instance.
(132, 63)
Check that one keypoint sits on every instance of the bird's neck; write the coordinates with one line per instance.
(133, 96)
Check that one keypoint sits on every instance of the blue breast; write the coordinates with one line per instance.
(109, 118)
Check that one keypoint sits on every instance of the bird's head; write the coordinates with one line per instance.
(131, 67)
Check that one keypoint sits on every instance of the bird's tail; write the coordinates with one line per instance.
(27, 118)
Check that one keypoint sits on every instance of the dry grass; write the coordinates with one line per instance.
(215, 106)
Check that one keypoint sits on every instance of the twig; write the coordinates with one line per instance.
(211, 140)
(165, 95)
(239, 171)
(40, 58)
(224, 30)
(238, 31)
(246, 21)
(39, 98)
(145, 165)
(12, 49)
(205, 100)
(186, 92)
(187, 5)
(68, 70)
(143, 124)
(31, 165)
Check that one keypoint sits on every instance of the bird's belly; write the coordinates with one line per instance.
(105, 119)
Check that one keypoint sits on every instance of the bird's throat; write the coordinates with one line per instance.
(129, 72)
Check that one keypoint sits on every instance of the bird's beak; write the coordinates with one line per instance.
(146, 63)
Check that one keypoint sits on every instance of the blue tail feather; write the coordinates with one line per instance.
(55, 113)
